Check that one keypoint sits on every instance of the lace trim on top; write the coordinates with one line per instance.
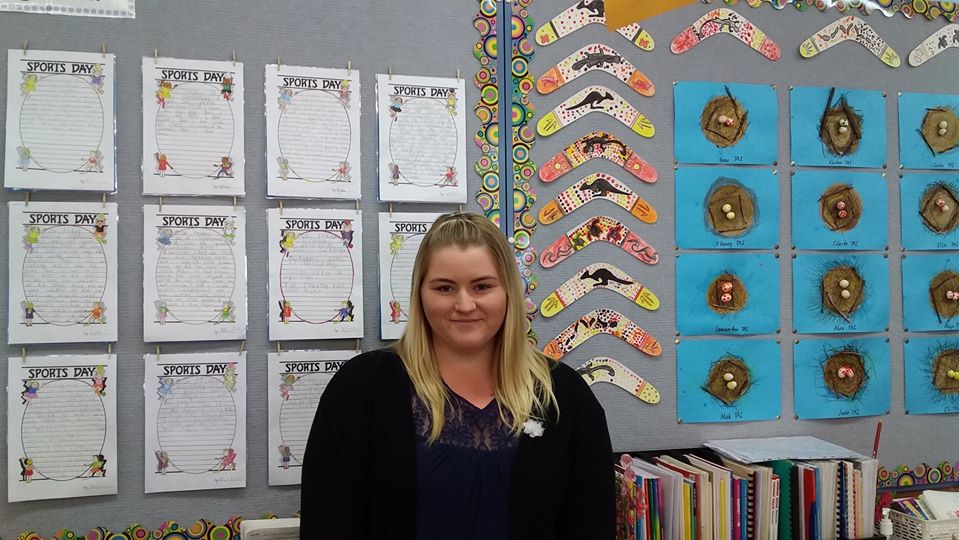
(466, 425)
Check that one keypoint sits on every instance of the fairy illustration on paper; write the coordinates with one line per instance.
(165, 388)
(229, 377)
(162, 311)
(345, 311)
(284, 165)
(25, 157)
(100, 381)
(28, 310)
(29, 84)
(286, 385)
(229, 230)
(93, 162)
(286, 242)
(285, 99)
(225, 313)
(100, 228)
(162, 163)
(286, 311)
(96, 79)
(347, 234)
(97, 315)
(286, 455)
(227, 461)
(224, 167)
(29, 393)
(31, 237)
(344, 95)
(163, 461)
(163, 93)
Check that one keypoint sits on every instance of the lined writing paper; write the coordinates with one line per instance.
(195, 421)
(60, 121)
(400, 235)
(312, 132)
(63, 272)
(194, 273)
(422, 138)
(192, 127)
(296, 382)
(61, 427)
(316, 273)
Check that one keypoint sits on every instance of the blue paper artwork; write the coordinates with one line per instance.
(728, 123)
(839, 210)
(835, 294)
(728, 380)
(837, 127)
(930, 293)
(928, 131)
(727, 208)
(930, 211)
(931, 367)
(841, 378)
(727, 294)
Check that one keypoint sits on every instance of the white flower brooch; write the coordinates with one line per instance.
(533, 428)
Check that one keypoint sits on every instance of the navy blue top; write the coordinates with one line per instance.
(463, 479)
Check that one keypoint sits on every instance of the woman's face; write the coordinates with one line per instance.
(464, 299)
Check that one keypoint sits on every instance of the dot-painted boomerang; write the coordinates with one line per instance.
(592, 145)
(596, 186)
(602, 321)
(725, 21)
(849, 28)
(589, 12)
(946, 37)
(598, 275)
(602, 369)
(595, 57)
(596, 228)
(595, 99)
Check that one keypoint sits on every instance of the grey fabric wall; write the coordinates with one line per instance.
(436, 39)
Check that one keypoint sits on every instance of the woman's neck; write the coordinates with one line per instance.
(470, 376)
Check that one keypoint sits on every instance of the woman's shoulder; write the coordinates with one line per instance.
(568, 384)
(370, 363)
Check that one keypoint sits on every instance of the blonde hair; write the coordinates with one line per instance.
(521, 374)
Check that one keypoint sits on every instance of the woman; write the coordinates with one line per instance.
(462, 430)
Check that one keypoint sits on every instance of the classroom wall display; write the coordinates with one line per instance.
(727, 294)
(598, 276)
(595, 57)
(602, 369)
(598, 229)
(839, 210)
(422, 138)
(727, 208)
(400, 235)
(583, 13)
(840, 293)
(488, 167)
(932, 375)
(192, 127)
(53, 399)
(929, 206)
(60, 121)
(591, 99)
(316, 273)
(728, 381)
(849, 28)
(928, 131)
(597, 144)
(937, 42)
(930, 292)
(726, 21)
(296, 381)
(841, 378)
(195, 421)
(727, 123)
(602, 321)
(929, 9)
(84, 8)
(594, 187)
(312, 132)
(194, 273)
(850, 130)
(63, 272)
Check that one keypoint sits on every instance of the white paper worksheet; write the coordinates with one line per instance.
(61, 426)
(192, 127)
(422, 134)
(194, 273)
(296, 382)
(316, 273)
(63, 272)
(400, 235)
(312, 132)
(195, 421)
(60, 121)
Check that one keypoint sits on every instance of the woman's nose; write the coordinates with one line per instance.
(465, 301)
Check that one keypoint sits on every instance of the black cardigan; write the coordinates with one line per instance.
(359, 469)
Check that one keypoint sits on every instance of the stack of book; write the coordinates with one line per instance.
(702, 494)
